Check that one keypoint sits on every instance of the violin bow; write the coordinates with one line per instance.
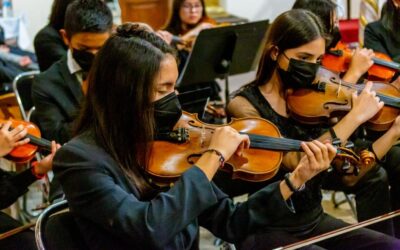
(339, 231)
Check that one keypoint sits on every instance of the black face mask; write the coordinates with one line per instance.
(167, 112)
(83, 58)
(300, 74)
(336, 37)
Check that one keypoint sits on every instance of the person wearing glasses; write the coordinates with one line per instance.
(188, 18)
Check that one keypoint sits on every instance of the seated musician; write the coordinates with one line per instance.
(13, 185)
(326, 10)
(383, 35)
(57, 93)
(290, 60)
(374, 186)
(102, 170)
(48, 43)
(188, 18)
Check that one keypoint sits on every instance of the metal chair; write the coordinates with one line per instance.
(22, 87)
(56, 229)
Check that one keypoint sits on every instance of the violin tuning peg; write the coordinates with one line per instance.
(349, 144)
(346, 166)
(336, 142)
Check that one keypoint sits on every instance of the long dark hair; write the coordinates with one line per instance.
(175, 23)
(57, 15)
(324, 9)
(391, 19)
(291, 29)
(118, 110)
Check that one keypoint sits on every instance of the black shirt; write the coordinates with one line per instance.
(379, 39)
(307, 203)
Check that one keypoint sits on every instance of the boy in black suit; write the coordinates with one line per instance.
(57, 93)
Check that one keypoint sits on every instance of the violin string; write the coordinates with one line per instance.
(388, 100)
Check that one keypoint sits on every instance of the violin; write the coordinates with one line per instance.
(179, 150)
(338, 59)
(25, 153)
(330, 98)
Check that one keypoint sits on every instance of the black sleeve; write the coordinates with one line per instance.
(48, 49)
(92, 193)
(48, 114)
(13, 186)
(373, 40)
(234, 222)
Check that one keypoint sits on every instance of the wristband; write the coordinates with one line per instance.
(33, 170)
(291, 186)
(221, 157)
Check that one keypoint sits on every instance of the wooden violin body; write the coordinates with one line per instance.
(25, 153)
(170, 159)
(338, 60)
(330, 100)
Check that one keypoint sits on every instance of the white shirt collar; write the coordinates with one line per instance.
(73, 66)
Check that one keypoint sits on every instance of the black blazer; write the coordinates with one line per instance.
(110, 215)
(49, 47)
(57, 96)
(379, 39)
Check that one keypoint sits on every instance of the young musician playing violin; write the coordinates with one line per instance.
(102, 170)
(14, 185)
(290, 59)
(327, 10)
(373, 187)
(188, 18)
(57, 93)
(383, 35)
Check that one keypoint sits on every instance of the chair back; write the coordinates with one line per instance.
(56, 229)
(22, 87)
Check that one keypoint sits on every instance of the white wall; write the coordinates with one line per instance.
(36, 13)
(257, 9)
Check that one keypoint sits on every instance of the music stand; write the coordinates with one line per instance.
(222, 52)
(195, 101)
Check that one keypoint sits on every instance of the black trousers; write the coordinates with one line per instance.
(21, 241)
(358, 239)
(378, 192)
(372, 197)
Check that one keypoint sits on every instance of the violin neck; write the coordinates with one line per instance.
(389, 101)
(273, 143)
(40, 142)
(387, 64)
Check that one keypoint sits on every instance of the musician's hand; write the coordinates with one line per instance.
(365, 105)
(11, 138)
(227, 141)
(46, 164)
(317, 158)
(361, 61)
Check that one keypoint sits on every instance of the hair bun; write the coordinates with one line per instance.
(131, 29)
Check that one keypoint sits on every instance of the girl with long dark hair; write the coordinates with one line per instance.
(102, 171)
(290, 60)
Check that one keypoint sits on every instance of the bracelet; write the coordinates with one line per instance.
(221, 157)
(33, 170)
(291, 186)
